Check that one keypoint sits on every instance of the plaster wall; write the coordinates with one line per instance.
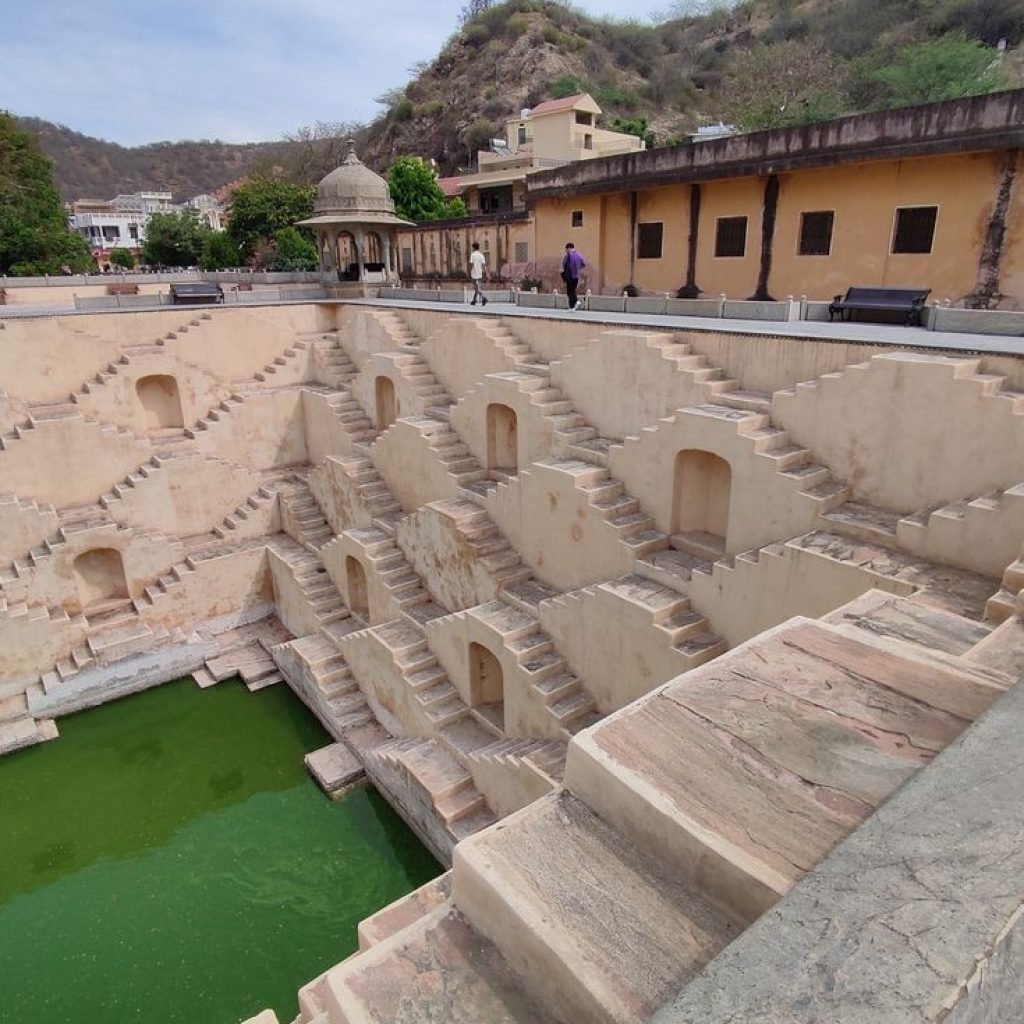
(461, 351)
(117, 401)
(450, 637)
(230, 587)
(764, 504)
(82, 459)
(556, 531)
(61, 355)
(508, 783)
(32, 644)
(894, 430)
(185, 495)
(384, 686)
(325, 434)
(380, 601)
(338, 496)
(612, 644)
(293, 608)
(23, 525)
(647, 384)
(753, 596)
(404, 458)
(264, 431)
(54, 580)
(469, 419)
(438, 551)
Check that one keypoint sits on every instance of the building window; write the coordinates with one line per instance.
(406, 259)
(588, 141)
(584, 117)
(522, 252)
(577, 218)
(522, 135)
(649, 241)
(731, 236)
(915, 229)
(816, 233)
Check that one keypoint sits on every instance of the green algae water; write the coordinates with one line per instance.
(169, 860)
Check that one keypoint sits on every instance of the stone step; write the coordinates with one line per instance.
(578, 910)
(436, 969)
(791, 742)
(955, 590)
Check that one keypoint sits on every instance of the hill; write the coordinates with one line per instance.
(85, 167)
(755, 62)
(759, 63)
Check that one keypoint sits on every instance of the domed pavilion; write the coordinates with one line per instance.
(355, 226)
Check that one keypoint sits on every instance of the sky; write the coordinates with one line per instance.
(239, 70)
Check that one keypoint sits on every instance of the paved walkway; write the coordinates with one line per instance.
(816, 330)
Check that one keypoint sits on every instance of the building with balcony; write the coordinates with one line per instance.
(120, 223)
(550, 135)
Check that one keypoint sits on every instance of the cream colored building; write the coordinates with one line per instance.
(550, 135)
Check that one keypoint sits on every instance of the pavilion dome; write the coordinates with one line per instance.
(352, 189)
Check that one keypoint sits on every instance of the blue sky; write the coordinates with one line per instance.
(136, 71)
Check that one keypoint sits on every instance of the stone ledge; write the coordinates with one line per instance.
(917, 918)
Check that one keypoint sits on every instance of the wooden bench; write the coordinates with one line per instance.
(122, 289)
(907, 301)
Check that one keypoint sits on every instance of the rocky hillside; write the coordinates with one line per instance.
(758, 63)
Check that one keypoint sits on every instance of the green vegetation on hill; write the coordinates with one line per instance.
(758, 63)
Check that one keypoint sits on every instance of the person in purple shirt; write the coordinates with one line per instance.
(572, 264)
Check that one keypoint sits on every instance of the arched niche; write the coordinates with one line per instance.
(99, 577)
(486, 685)
(386, 402)
(358, 595)
(160, 401)
(700, 495)
(502, 438)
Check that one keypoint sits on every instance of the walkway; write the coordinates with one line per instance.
(812, 330)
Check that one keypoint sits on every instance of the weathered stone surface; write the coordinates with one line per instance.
(581, 913)
(335, 768)
(438, 970)
(916, 918)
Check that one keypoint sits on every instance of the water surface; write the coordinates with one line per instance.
(168, 860)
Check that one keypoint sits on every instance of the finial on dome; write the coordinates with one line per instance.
(350, 157)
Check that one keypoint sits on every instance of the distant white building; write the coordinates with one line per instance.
(120, 223)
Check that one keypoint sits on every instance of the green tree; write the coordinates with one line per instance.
(261, 207)
(219, 252)
(122, 258)
(635, 126)
(785, 84)
(416, 193)
(174, 239)
(941, 69)
(292, 252)
(34, 235)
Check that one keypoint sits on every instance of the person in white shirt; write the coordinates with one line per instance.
(477, 262)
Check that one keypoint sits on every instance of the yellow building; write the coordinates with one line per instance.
(551, 134)
(919, 197)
